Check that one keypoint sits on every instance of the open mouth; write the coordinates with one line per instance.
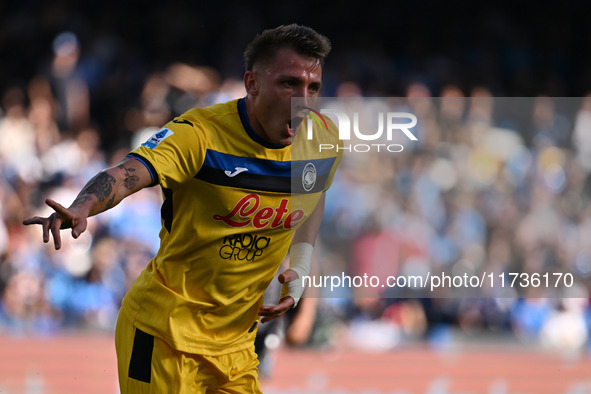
(295, 122)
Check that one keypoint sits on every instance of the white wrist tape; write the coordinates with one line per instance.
(300, 261)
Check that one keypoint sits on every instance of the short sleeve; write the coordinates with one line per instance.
(175, 153)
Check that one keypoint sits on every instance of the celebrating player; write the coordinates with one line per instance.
(230, 181)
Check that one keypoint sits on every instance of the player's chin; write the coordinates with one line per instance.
(287, 136)
(285, 141)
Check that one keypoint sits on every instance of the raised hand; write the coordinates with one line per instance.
(62, 218)
(105, 190)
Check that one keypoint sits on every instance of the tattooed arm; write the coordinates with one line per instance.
(102, 192)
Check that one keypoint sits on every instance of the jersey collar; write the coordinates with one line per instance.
(248, 127)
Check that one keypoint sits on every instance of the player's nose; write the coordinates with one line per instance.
(303, 94)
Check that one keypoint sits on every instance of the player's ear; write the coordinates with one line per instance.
(251, 83)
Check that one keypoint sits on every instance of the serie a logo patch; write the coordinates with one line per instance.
(157, 138)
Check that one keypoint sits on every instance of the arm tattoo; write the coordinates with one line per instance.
(100, 186)
(110, 202)
(130, 180)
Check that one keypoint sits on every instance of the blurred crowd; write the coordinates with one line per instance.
(495, 185)
(51, 148)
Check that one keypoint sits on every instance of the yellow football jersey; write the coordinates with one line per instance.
(227, 222)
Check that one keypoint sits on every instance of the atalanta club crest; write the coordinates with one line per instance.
(309, 177)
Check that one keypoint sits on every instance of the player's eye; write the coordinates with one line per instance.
(314, 88)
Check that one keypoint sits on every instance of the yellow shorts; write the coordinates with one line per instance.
(149, 365)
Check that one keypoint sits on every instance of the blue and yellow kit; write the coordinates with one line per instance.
(231, 204)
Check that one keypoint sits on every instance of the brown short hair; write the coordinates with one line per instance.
(304, 40)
